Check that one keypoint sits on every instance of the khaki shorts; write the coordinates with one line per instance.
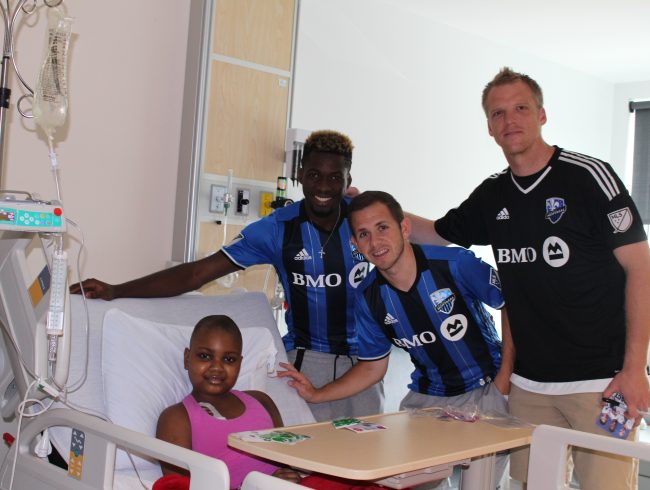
(579, 411)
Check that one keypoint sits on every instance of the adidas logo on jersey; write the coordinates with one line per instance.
(503, 214)
(302, 255)
(390, 319)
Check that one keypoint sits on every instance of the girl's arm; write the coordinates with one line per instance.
(174, 427)
(267, 402)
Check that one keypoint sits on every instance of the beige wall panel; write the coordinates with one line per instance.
(246, 122)
(252, 279)
(255, 30)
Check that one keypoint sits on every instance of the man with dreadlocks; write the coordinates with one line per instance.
(309, 244)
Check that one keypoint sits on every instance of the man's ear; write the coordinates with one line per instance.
(405, 225)
(542, 116)
(489, 129)
(186, 358)
(349, 180)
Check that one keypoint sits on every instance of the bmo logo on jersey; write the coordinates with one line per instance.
(320, 281)
(516, 255)
(356, 275)
(555, 251)
(417, 340)
(453, 329)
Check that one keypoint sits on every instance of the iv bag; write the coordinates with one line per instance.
(51, 93)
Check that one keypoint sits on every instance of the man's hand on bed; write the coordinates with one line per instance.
(94, 289)
(298, 381)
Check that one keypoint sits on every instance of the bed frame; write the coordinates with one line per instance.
(103, 438)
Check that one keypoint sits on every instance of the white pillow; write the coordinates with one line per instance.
(142, 366)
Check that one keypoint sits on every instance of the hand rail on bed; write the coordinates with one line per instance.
(548, 454)
(101, 439)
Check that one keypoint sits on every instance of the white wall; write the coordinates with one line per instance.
(407, 90)
(119, 150)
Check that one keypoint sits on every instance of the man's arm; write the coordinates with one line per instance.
(169, 282)
(424, 231)
(502, 379)
(362, 375)
(632, 380)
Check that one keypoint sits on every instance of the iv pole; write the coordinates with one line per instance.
(9, 18)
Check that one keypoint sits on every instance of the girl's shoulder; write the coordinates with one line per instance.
(260, 396)
(174, 412)
(269, 405)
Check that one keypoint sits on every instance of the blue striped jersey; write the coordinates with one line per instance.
(441, 321)
(319, 290)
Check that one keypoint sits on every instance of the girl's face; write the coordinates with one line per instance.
(213, 362)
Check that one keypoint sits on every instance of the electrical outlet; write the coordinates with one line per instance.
(266, 198)
(243, 201)
(217, 198)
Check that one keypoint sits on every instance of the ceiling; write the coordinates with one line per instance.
(608, 39)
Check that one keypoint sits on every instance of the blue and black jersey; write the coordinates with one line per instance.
(319, 290)
(441, 321)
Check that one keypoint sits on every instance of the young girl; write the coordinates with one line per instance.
(203, 420)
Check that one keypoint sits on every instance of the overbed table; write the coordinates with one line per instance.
(413, 449)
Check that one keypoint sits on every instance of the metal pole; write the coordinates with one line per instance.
(5, 94)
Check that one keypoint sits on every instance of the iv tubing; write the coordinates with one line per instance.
(226, 206)
(54, 166)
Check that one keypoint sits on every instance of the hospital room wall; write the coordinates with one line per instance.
(411, 100)
(408, 92)
(118, 152)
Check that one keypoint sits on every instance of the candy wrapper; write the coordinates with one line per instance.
(278, 436)
(345, 422)
(365, 427)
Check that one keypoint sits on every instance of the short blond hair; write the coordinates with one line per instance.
(507, 76)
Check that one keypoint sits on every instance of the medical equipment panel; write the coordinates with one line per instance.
(31, 215)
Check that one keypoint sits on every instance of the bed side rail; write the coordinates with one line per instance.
(99, 441)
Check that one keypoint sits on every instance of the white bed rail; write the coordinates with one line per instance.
(548, 454)
(259, 481)
(101, 439)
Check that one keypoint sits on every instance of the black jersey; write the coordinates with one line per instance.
(553, 237)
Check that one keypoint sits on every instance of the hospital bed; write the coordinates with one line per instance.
(134, 370)
(548, 454)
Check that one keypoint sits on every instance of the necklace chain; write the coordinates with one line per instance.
(322, 247)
